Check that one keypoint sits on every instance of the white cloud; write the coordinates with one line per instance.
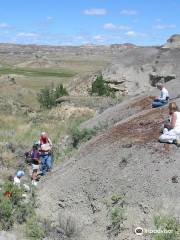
(129, 12)
(28, 34)
(95, 11)
(135, 34)
(131, 33)
(111, 26)
(4, 25)
(165, 26)
(98, 38)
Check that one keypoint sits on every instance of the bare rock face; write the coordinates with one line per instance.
(118, 84)
(173, 42)
(154, 78)
(129, 71)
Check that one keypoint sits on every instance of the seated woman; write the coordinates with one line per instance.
(172, 130)
(163, 98)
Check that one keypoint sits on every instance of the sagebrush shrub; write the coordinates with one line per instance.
(81, 135)
(34, 229)
(167, 223)
(13, 207)
(6, 213)
(101, 88)
(68, 224)
(48, 95)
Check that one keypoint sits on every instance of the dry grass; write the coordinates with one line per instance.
(31, 75)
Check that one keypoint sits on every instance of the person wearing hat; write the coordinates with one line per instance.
(35, 160)
(163, 98)
(17, 178)
(45, 152)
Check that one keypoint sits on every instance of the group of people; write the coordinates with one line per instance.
(171, 129)
(40, 159)
(41, 152)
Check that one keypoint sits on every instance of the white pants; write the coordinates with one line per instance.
(168, 136)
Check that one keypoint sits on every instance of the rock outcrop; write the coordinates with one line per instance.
(173, 42)
(154, 78)
(118, 84)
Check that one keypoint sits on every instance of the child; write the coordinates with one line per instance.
(17, 178)
(35, 158)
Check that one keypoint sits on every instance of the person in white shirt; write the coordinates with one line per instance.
(17, 178)
(171, 131)
(163, 98)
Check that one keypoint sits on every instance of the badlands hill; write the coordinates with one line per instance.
(123, 177)
(124, 167)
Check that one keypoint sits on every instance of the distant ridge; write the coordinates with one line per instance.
(173, 42)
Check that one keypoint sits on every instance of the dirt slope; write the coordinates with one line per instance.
(127, 160)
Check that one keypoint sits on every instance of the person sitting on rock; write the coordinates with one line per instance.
(171, 131)
(163, 98)
(45, 152)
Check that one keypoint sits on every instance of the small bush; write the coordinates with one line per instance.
(68, 224)
(81, 135)
(117, 218)
(101, 88)
(6, 215)
(115, 198)
(16, 192)
(34, 230)
(48, 95)
(23, 211)
(60, 91)
(167, 223)
(13, 208)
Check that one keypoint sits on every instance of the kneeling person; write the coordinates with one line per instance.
(172, 130)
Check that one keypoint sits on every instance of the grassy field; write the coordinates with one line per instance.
(37, 72)
(22, 76)
(30, 76)
(29, 81)
(22, 131)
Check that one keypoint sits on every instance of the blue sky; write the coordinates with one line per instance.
(79, 22)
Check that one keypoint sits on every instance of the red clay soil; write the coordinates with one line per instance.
(143, 103)
(142, 129)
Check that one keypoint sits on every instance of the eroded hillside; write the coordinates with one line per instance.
(126, 161)
(120, 179)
